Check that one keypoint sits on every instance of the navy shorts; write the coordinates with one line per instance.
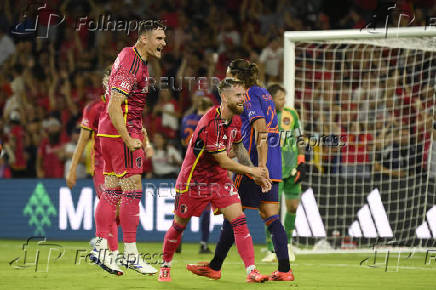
(251, 194)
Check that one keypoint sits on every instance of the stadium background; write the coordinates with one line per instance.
(46, 81)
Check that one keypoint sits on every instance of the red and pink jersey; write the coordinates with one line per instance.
(129, 76)
(211, 136)
(91, 115)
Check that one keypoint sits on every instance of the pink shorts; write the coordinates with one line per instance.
(119, 160)
(196, 199)
(98, 181)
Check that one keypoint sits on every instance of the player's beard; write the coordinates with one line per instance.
(237, 110)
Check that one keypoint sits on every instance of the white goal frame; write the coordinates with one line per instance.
(291, 37)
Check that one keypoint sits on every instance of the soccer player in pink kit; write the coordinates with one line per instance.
(89, 128)
(203, 178)
(121, 134)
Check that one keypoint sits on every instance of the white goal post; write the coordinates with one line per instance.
(375, 91)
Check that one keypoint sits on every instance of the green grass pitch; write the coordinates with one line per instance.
(316, 271)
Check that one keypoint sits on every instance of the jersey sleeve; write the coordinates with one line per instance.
(88, 119)
(212, 138)
(254, 109)
(122, 77)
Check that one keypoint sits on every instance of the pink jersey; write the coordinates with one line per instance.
(91, 115)
(129, 77)
(212, 135)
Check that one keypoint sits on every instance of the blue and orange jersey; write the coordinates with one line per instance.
(259, 104)
(189, 123)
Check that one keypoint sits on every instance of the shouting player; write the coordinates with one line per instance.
(262, 140)
(121, 134)
(203, 178)
(294, 167)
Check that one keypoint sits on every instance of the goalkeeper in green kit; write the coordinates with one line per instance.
(293, 167)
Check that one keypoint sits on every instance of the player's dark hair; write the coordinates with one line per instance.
(275, 88)
(149, 25)
(228, 83)
(245, 71)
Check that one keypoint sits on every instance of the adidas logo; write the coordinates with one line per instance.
(308, 222)
(372, 220)
(425, 230)
(225, 137)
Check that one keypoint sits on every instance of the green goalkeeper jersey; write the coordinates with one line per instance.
(288, 125)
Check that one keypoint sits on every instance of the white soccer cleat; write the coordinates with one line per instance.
(100, 255)
(291, 253)
(137, 263)
(270, 257)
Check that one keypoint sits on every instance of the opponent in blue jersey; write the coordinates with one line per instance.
(262, 140)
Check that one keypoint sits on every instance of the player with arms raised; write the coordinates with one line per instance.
(203, 178)
(121, 134)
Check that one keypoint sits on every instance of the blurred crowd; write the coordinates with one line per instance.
(45, 82)
(367, 109)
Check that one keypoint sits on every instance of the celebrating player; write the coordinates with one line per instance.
(89, 126)
(189, 123)
(261, 139)
(121, 134)
(293, 167)
(203, 178)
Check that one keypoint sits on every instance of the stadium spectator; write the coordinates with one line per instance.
(50, 159)
(167, 108)
(271, 59)
(399, 158)
(355, 158)
(166, 159)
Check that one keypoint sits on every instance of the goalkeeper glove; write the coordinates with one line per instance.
(301, 169)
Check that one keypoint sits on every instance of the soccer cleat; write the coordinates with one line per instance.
(291, 253)
(270, 257)
(282, 276)
(256, 277)
(203, 269)
(164, 274)
(137, 263)
(106, 260)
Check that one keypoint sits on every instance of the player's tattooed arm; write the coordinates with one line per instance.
(116, 115)
(242, 154)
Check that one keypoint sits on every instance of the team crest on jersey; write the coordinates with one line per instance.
(139, 162)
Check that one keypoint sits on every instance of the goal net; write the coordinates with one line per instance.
(366, 103)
